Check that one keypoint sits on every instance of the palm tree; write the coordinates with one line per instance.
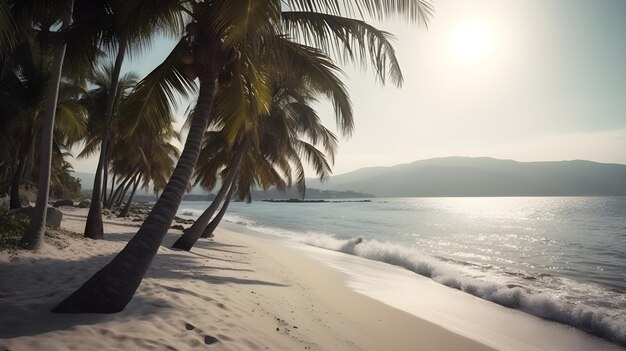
(291, 118)
(96, 102)
(33, 238)
(279, 139)
(218, 29)
(22, 96)
(22, 92)
(151, 157)
(191, 235)
(131, 27)
(208, 231)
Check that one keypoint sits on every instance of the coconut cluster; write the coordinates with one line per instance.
(188, 59)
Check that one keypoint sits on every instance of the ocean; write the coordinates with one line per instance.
(558, 258)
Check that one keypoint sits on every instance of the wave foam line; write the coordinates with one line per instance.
(594, 321)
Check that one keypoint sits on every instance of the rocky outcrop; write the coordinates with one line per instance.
(64, 202)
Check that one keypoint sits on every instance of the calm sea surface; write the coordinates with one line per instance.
(562, 259)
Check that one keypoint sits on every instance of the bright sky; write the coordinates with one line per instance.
(529, 80)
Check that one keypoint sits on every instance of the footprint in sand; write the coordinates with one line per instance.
(208, 339)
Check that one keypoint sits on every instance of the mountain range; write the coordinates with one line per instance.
(483, 176)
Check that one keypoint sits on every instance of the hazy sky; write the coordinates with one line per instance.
(528, 80)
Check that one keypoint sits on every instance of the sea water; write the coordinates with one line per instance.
(559, 258)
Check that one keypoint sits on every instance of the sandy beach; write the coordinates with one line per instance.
(237, 292)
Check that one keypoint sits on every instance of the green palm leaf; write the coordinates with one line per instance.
(154, 98)
(347, 38)
(320, 74)
(239, 19)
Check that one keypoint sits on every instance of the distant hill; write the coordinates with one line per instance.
(456, 176)
(483, 176)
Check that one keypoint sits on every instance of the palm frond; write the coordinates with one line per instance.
(320, 74)
(348, 39)
(411, 10)
(157, 95)
(243, 18)
(316, 159)
(8, 30)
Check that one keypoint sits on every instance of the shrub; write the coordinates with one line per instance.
(12, 228)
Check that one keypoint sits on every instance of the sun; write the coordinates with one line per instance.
(472, 42)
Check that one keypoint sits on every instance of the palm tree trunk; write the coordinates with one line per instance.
(109, 198)
(121, 197)
(218, 218)
(94, 228)
(121, 190)
(25, 150)
(192, 234)
(124, 212)
(111, 288)
(33, 238)
(116, 194)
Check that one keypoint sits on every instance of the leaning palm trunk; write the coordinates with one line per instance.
(126, 209)
(192, 234)
(118, 191)
(33, 238)
(121, 196)
(111, 288)
(108, 200)
(94, 228)
(118, 197)
(208, 231)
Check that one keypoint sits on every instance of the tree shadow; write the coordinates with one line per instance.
(30, 288)
(34, 317)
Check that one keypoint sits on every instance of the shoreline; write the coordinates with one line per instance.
(478, 319)
(236, 292)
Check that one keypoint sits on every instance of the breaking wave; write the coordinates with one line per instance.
(594, 320)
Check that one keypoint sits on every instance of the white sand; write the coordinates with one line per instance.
(244, 291)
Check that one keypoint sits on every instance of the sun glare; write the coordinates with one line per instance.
(472, 42)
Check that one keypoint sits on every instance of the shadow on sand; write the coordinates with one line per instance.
(30, 289)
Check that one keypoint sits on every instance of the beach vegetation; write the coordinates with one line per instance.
(119, 28)
(225, 45)
(38, 102)
(146, 158)
(12, 228)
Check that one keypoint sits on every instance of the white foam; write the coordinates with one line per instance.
(190, 212)
(597, 321)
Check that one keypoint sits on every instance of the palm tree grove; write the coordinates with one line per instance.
(138, 138)
(250, 70)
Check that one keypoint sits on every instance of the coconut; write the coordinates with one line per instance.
(193, 28)
(190, 72)
(187, 58)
